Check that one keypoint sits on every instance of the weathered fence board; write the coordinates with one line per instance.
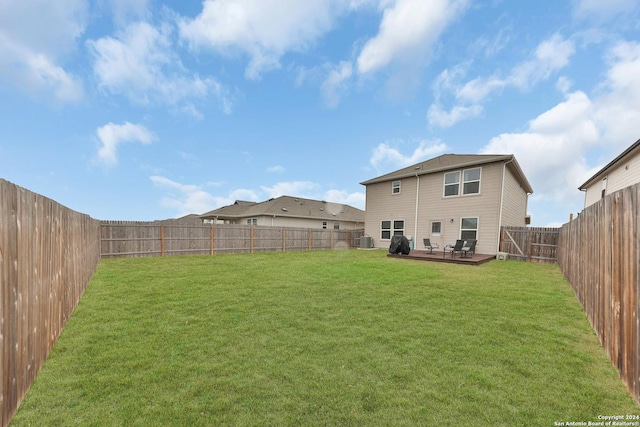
(599, 254)
(48, 254)
(121, 239)
(537, 244)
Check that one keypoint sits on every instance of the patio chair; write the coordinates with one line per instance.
(453, 249)
(430, 246)
(469, 247)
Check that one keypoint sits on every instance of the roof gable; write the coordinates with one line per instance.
(447, 162)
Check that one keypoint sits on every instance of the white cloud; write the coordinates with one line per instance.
(357, 199)
(555, 149)
(550, 56)
(618, 112)
(275, 169)
(264, 30)
(552, 150)
(128, 10)
(184, 199)
(602, 10)
(112, 135)
(407, 31)
(335, 85)
(34, 36)
(293, 188)
(436, 116)
(141, 64)
(187, 199)
(386, 157)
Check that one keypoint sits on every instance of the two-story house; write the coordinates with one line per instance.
(621, 172)
(450, 197)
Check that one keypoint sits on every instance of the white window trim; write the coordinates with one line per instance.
(479, 181)
(431, 230)
(393, 187)
(477, 229)
(444, 187)
(392, 230)
(404, 223)
(385, 229)
(461, 183)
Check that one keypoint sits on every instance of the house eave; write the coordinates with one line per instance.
(598, 175)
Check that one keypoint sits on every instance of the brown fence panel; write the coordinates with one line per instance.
(537, 244)
(129, 239)
(134, 239)
(599, 254)
(48, 254)
(268, 239)
(180, 240)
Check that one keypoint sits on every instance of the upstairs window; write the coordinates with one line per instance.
(471, 181)
(336, 226)
(395, 187)
(451, 184)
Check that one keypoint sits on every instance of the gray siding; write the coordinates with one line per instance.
(283, 221)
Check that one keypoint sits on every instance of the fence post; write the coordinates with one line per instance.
(284, 239)
(251, 237)
(213, 242)
(309, 239)
(162, 240)
(331, 239)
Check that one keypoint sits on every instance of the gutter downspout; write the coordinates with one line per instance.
(415, 234)
(504, 173)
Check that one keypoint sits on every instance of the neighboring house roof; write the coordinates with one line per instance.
(191, 219)
(454, 161)
(287, 206)
(635, 147)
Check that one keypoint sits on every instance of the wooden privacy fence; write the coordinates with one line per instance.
(537, 244)
(48, 254)
(135, 239)
(599, 254)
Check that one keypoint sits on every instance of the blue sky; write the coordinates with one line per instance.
(143, 109)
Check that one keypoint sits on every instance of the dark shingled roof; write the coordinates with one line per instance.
(287, 206)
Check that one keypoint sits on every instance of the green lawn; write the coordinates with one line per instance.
(324, 338)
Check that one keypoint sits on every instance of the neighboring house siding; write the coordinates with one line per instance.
(433, 206)
(622, 175)
(281, 221)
